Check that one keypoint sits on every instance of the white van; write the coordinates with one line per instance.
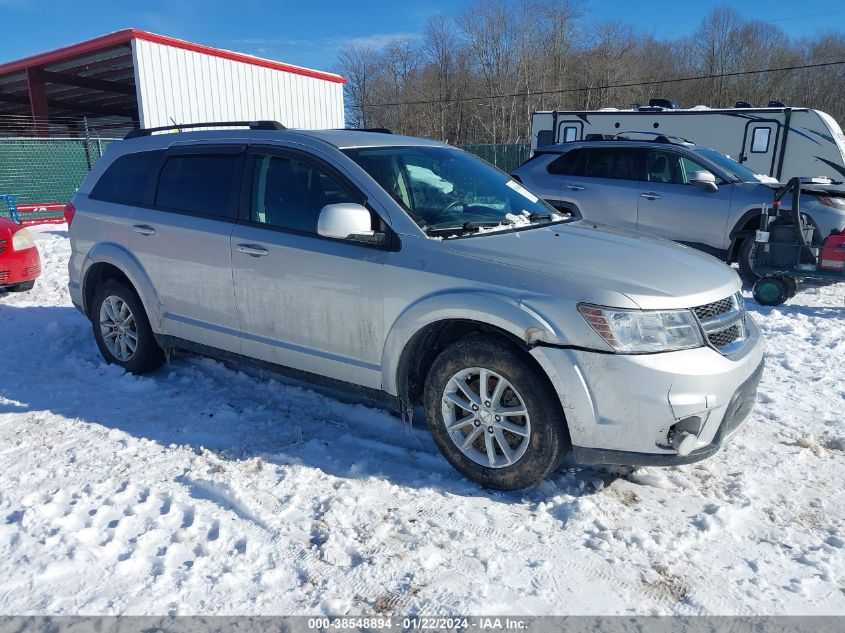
(780, 142)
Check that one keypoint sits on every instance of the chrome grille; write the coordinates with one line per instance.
(31, 270)
(714, 309)
(725, 337)
(723, 323)
(3, 246)
(4, 275)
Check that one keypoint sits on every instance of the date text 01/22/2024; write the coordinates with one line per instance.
(417, 623)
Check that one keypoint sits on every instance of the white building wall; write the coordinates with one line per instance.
(181, 86)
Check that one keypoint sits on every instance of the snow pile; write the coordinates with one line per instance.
(201, 489)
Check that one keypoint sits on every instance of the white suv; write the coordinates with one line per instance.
(414, 274)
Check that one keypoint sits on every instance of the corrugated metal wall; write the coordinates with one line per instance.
(187, 87)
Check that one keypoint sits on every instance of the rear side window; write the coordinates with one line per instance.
(569, 164)
(125, 180)
(617, 163)
(205, 184)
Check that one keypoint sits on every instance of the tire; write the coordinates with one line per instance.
(24, 287)
(791, 285)
(743, 258)
(530, 457)
(771, 291)
(147, 355)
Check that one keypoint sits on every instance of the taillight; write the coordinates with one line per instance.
(69, 213)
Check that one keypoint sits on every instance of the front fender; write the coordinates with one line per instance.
(128, 264)
(510, 314)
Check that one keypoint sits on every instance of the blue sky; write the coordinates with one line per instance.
(309, 32)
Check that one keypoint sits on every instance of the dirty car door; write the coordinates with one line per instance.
(604, 185)
(672, 206)
(305, 301)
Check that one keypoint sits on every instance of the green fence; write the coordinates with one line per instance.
(49, 170)
(45, 170)
(505, 157)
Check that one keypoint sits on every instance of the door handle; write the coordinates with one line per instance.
(650, 196)
(143, 229)
(252, 250)
(575, 187)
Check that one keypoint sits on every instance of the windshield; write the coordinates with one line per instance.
(447, 191)
(729, 166)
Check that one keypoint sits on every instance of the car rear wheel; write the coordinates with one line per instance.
(743, 256)
(122, 330)
(493, 414)
(791, 285)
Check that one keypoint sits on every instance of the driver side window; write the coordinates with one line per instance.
(671, 168)
(289, 194)
(664, 167)
(689, 167)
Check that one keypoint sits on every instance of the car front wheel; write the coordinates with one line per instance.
(494, 415)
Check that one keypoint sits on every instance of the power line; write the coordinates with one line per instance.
(790, 18)
(653, 82)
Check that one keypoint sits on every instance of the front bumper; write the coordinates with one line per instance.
(17, 267)
(620, 408)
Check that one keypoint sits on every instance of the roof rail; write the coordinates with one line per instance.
(379, 130)
(658, 137)
(252, 125)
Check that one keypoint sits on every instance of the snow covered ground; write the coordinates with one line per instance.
(204, 490)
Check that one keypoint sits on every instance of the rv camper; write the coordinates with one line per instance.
(775, 141)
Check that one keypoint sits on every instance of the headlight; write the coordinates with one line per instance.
(639, 331)
(22, 240)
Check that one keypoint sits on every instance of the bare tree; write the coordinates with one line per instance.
(440, 49)
(359, 64)
(477, 78)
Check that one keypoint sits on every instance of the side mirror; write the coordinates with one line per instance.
(705, 179)
(344, 220)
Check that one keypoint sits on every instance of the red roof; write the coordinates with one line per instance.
(127, 35)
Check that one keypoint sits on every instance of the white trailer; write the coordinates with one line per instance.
(780, 142)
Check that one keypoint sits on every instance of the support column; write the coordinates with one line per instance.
(38, 101)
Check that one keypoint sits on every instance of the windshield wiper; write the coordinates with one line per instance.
(466, 227)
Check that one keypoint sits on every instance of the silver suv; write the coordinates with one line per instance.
(667, 187)
(417, 275)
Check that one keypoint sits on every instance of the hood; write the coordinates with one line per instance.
(654, 273)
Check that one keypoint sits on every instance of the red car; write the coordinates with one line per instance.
(20, 263)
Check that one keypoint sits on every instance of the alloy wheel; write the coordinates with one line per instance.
(486, 418)
(118, 328)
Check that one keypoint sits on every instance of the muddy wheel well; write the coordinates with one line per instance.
(99, 274)
(420, 352)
